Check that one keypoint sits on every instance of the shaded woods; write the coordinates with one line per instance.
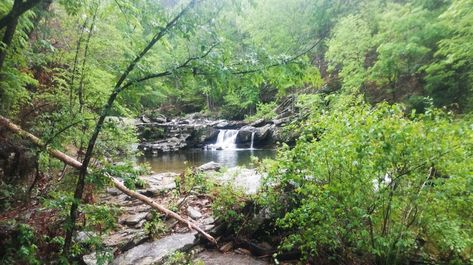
(372, 100)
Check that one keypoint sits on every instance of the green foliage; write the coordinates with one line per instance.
(7, 195)
(348, 48)
(377, 183)
(450, 77)
(60, 201)
(21, 248)
(100, 218)
(228, 206)
(125, 171)
(63, 64)
(263, 111)
(155, 227)
(180, 258)
(191, 180)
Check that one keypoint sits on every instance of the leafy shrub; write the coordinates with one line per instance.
(21, 247)
(180, 258)
(228, 206)
(374, 185)
(155, 227)
(190, 180)
(263, 111)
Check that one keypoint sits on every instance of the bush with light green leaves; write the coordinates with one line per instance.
(378, 186)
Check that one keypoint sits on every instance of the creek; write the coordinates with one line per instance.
(224, 151)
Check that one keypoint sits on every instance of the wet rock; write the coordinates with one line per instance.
(155, 252)
(145, 119)
(90, 259)
(84, 236)
(133, 219)
(227, 247)
(193, 213)
(201, 136)
(282, 121)
(113, 191)
(249, 180)
(245, 133)
(125, 239)
(209, 220)
(210, 166)
(159, 118)
(215, 258)
(259, 123)
(158, 184)
(263, 132)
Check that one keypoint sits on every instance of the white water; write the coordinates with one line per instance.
(252, 140)
(226, 139)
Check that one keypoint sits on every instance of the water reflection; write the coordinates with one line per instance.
(178, 161)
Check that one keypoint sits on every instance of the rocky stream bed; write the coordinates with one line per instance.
(161, 134)
(131, 245)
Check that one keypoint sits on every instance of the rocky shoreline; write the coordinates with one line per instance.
(131, 245)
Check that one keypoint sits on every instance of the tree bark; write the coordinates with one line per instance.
(10, 21)
(19, 7)
(78, 165)
(7, 40)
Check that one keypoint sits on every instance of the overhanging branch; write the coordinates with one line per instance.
(19, 7)
(185, 64)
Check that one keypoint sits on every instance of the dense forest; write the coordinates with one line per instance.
(367, 104)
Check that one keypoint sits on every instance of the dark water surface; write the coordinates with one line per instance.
(178, 161)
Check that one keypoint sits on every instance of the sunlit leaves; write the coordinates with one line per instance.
(361, 180)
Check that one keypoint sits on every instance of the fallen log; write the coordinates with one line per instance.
(76, 164)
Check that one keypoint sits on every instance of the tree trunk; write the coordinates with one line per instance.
(8, 37)
(19, 7)
(10, 21)
(98, 127)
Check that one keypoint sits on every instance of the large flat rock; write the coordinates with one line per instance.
(248, 180)
(155, 251)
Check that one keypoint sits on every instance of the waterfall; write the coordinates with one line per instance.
(226, 139)
(252, 140)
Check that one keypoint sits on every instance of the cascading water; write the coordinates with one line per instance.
(226, 139)
(252, 140)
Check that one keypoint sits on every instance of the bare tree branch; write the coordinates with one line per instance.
(169, 72)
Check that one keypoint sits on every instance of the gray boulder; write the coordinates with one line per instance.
(259, 123)
(264, 132)
(210, 166)
(193, 213)
(155, 252)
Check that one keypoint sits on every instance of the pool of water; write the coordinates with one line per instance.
(178, 161)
